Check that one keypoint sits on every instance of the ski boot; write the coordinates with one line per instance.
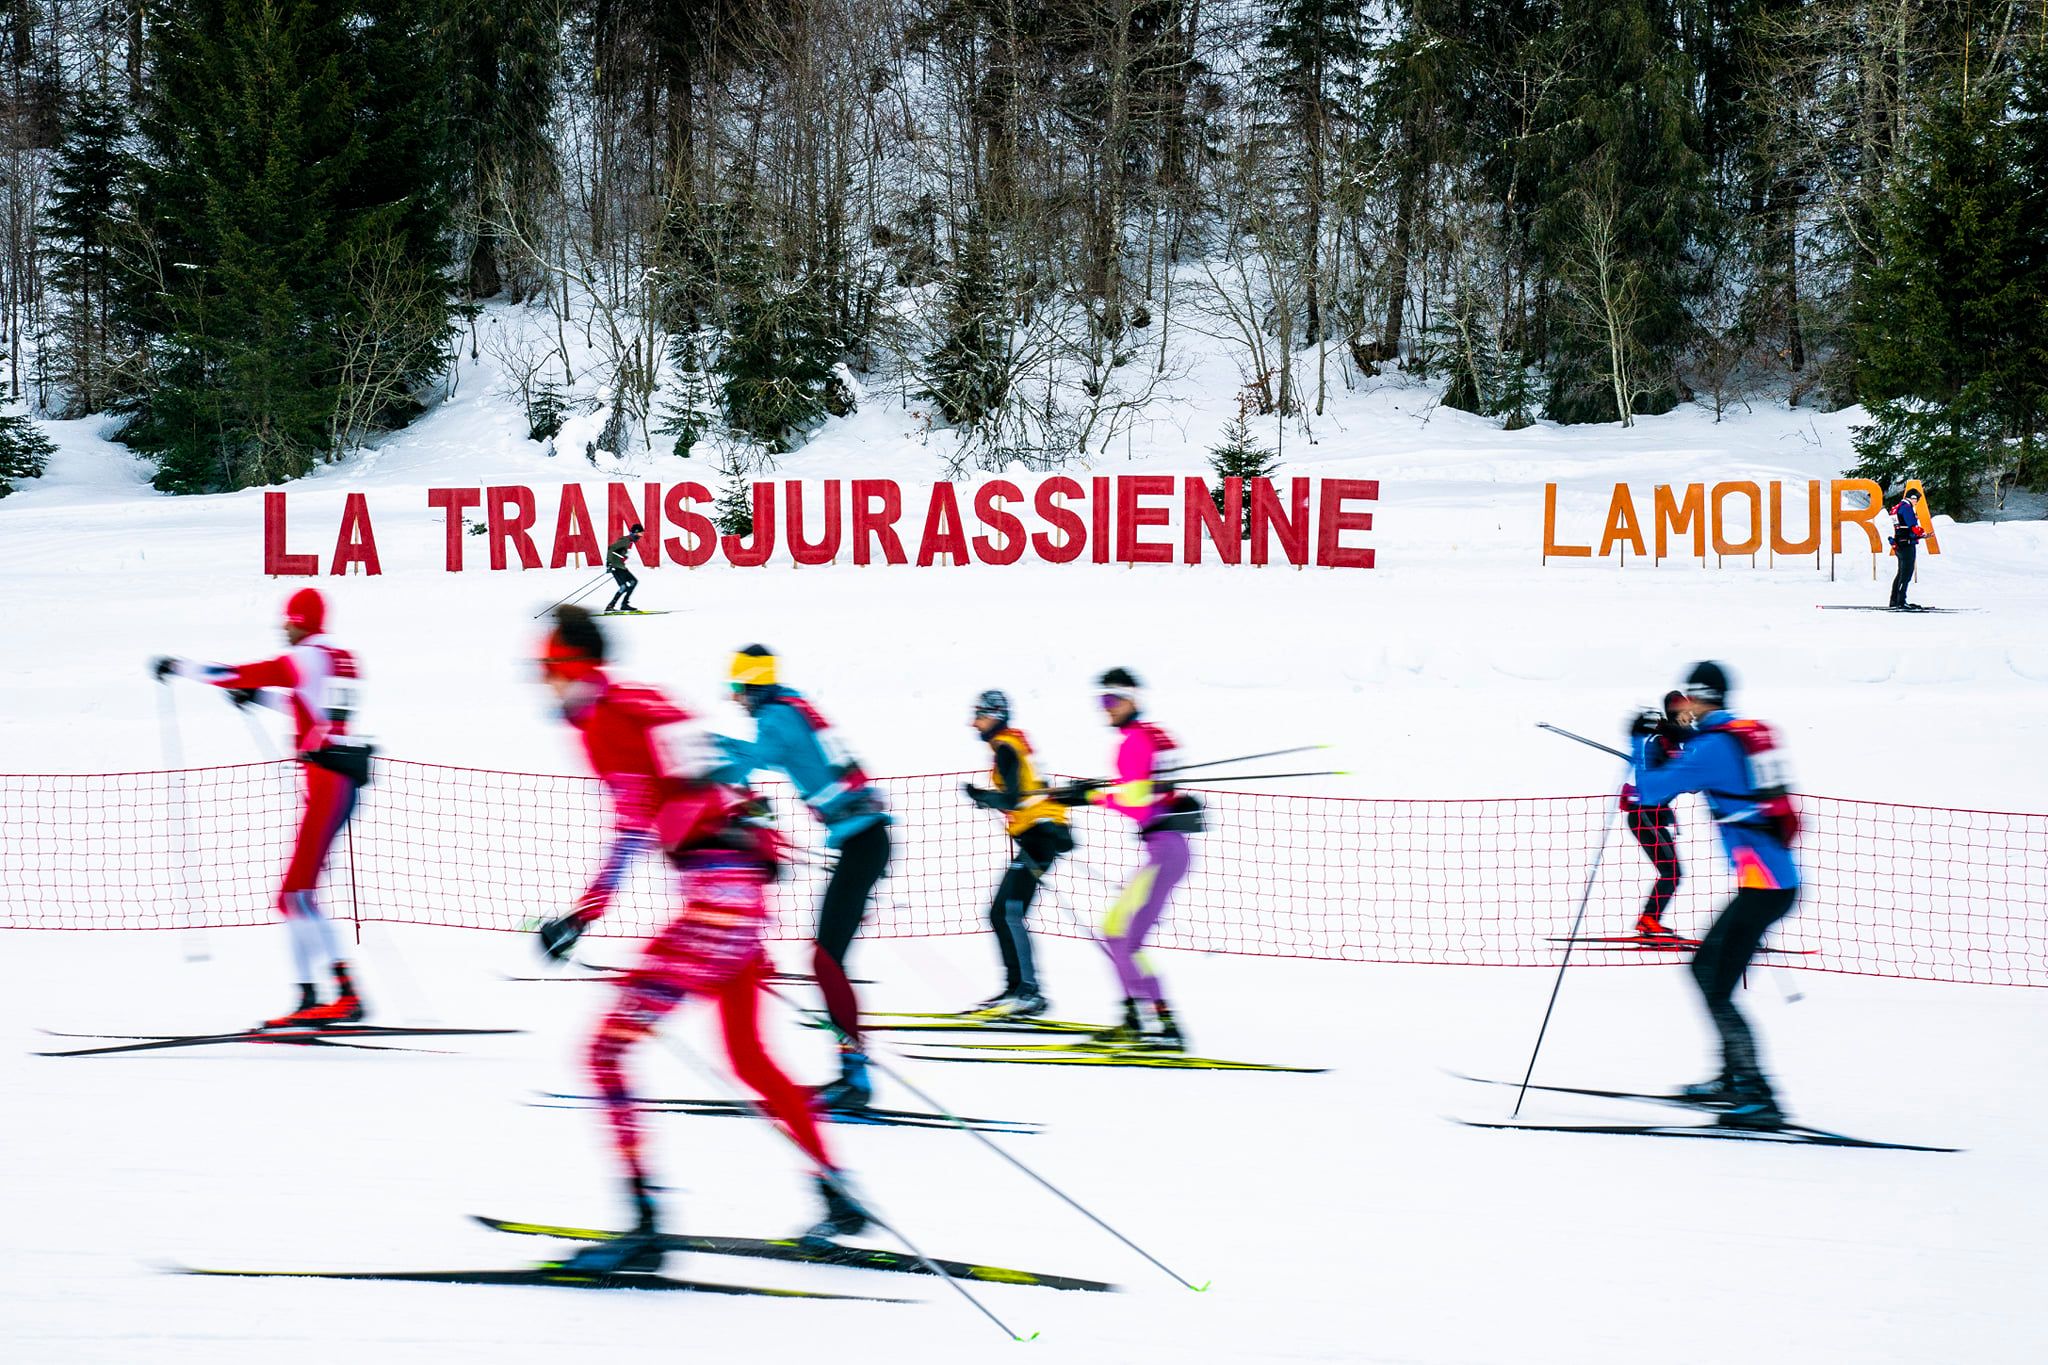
(993, 1007)
(1027, 1004)
(851, 1092)
(1650, 926)
(1164, 1034)
(1717, 1093)
(637, 1251)
(1752, 1104)
(304, 1015)
(1022, 1003)
(1123, 1034)
(844, 1215)
(347, 1006)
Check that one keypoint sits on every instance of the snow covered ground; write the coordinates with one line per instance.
(1340, 1216)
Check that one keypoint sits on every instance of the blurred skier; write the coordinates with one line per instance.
(1656, 827)
(792, 738)
(1038, 831)
(656, 764)
(1907, 533)
(1737, 765)
(314, 682)
(1164, 821)
(615, 560)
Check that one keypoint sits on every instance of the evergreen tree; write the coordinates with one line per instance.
(248, 142)
(968, 374)
(291, 185)
(1238, 456)
(777, 359)
(507, 58)
(734, 513)
(1310, 81)
(545, 412)
(688, 412)
(24, 451)
(89, 190)
(1464, 348)
(1622, 189)
(1949, 324)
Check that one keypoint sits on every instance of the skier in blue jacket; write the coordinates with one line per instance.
(1735, 763)
(790, 737)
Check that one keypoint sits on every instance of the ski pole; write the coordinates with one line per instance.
(831, 1178)
(1606, 837)
(572, 596)
(893, 1074)
(197, 948)
(1589, 743)
(1271, 777)
(1242, 758)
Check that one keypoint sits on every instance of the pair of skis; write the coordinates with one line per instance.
(1655, 943)
(1793, 1134)
(1079, 1049)
(779, 1249)
(868, 1116)
(331, 1035)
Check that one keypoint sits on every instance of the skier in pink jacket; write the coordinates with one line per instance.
(1164, 821)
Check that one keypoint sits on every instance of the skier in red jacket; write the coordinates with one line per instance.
(654, 760)
(314, 682)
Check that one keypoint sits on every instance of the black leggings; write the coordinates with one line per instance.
(1903, 579)
(1724, 955)
(1654, 828)
(1036, 850)
(624, 596)
(863, 859)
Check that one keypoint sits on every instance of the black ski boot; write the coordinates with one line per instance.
(1124, 1034)
(851, 1092)
(634, 1252)
(1717, 1093)
(1752, 1105)
(844, 1215)
(1164, 1035)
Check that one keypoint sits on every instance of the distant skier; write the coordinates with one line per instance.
(792, 738)
(1737, 765)
(314, 682)
(656, 764)
(615, 560)
(1164, 821)
(1655, 827)
(1038, 830)
(1907, 533)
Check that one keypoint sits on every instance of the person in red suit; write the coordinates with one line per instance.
(314, 682)
(655, 761)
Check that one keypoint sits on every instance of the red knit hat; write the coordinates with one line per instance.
(307, 610)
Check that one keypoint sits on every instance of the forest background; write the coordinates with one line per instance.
(259, 233)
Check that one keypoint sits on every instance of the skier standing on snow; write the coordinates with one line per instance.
(315, 683)
(656, 764)
(791, 737)
(615, 560)
(1656, 827)
(1038, 830)
(1164, 821)
(1907, 533)
(1737, 765)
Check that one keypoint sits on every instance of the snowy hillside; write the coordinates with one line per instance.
(1338, 1215)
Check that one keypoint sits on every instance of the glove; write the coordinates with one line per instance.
(242, 696)
(1073, 794)
(162, 666)
(1647, 723)
(558, 936)
(981, 796)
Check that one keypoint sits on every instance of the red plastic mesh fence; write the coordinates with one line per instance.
(1904, 891)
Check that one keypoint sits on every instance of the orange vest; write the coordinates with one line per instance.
(1032, 806)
